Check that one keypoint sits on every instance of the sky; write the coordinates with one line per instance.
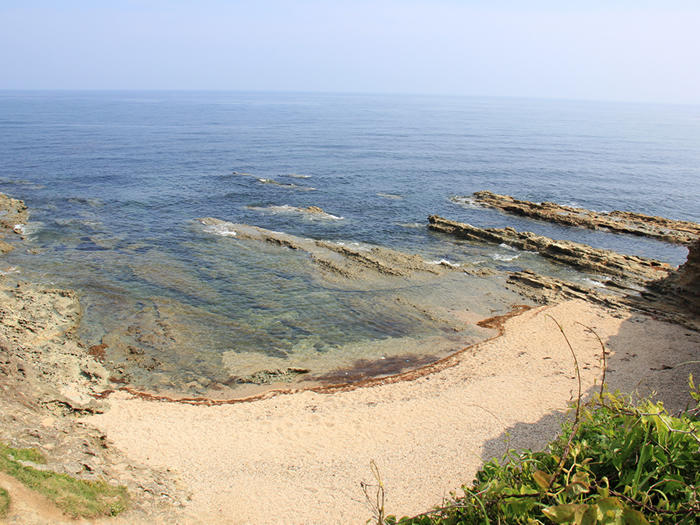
(600, 50)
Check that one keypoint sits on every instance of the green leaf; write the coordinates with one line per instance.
(564, 513)
(590, 517)
(542, 479)
(633, 517)
(579, 484)
(610, 510)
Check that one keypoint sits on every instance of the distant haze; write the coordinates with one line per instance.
(611, 50)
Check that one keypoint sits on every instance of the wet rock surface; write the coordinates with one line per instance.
(348, 261)
(13, 214)
(625, 268)
(266, 377)
(669, 230)
(364, 368)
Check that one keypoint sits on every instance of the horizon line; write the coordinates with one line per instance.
(351, 93)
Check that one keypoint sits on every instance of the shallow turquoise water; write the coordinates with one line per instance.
(115, 180)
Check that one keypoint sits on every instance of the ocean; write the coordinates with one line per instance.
(116, 180)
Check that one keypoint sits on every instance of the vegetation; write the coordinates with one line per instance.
(4, 502)
(617, 463)
(76, 497)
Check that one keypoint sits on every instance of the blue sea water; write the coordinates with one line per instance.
(114, 181)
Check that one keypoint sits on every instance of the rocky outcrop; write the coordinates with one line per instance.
(543, 289)
(660, 305)
(625, 268)
(350, 261)
(37, 330)
(13, 214)
(669, 230)
(687, 279)
(682, 287)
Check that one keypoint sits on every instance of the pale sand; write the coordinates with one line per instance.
(300, 458)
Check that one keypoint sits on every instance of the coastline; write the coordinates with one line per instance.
(428, 429)
(300, 458)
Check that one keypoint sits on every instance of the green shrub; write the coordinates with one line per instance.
(617, 464)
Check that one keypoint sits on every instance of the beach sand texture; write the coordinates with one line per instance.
(299, 458)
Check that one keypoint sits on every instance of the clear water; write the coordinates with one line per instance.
(114, 181)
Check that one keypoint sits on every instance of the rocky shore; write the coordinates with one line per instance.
(669, 230)
(683, 286)
(627, 281)
(52, 383)
(623, 268)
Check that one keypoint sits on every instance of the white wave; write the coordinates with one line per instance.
(358, 246)
(390, 196)
(445, 262)
(29, 228)
(8, 271)
(285, 185)
(413, 225)
(508, 247)
(298, 176)
(286, 208)
(223, 230)
(593, 282)
(464, 201)
(504, 258)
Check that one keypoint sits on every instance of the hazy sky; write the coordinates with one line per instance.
(619, 50)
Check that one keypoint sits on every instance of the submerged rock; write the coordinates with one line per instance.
(350, 261)
(577, 255)
(669, 230)
(309, 211)
(362, 369)
(265, 377)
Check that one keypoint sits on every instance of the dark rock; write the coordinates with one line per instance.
(683, 286)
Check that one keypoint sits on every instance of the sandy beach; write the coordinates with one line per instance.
(300, 458)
